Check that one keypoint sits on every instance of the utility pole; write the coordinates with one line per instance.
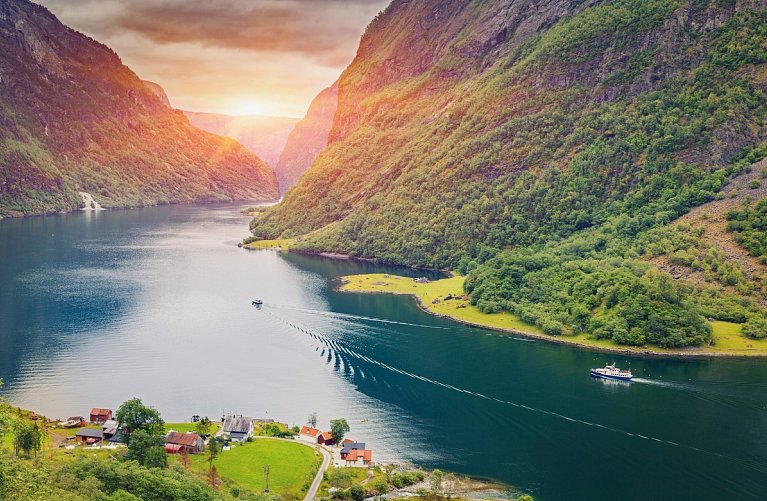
(266, 475)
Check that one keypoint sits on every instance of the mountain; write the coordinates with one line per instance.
(159, 92)
(546, 150)
(308, 138)
(74, 118)
(263, 135)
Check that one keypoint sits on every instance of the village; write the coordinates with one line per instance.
(101, 429)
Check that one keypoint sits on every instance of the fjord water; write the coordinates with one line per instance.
(96, 308)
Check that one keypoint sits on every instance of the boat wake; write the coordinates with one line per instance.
(348, 316)
(334, 346)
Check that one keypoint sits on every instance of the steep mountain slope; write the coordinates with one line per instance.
(74, 118)
(159, 92)
(308, 138)
(265, 136)
(534, 145)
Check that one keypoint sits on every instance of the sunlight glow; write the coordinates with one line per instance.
(249, 108)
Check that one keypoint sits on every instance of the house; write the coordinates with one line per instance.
(109, 429)
(238, 428)
(308, 434)
(359, 457)
(100, 415)
(326, 438)
(177, 442)
(350, 446)
(89, 435)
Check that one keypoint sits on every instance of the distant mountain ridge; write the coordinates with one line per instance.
(308, 138)
(263, 135)
(74, 118)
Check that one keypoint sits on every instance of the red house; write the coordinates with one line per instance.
(326, 438)
(177, 442)
(100, 415)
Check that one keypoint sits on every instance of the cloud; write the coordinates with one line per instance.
(325, 31)
(216, 55)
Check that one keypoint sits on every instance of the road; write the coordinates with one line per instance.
(326, 457)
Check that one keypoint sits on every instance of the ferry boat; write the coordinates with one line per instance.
(257, 302)
(612, 372)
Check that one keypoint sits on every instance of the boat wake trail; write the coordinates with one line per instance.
(347, 316)
(664, 384)
(334, 345)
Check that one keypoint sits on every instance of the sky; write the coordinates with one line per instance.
(240, 57)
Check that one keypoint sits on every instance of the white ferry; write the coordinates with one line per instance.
(612, 372)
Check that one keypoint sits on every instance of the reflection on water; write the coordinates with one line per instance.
(157, 303)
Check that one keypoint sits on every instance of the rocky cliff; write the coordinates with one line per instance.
(308, 138)
(159, 92)
(74, 118)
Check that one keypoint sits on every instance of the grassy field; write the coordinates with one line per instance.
(292, 466)
(728, 339)
(281, 244)
(185, 427)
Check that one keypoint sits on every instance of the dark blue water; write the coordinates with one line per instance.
(98, 308)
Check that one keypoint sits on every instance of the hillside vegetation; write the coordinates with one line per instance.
(544, 151)
(74, 118)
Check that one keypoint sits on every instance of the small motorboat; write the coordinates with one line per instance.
(257, 302)
(612, 372)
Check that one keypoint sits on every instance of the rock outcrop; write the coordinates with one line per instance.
(308, 138)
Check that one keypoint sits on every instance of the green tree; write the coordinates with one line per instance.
(381, 488)
(339, 428)
(357, 492)
(435, 481)
(312, 419)
(156, 457)
(133, 415)
(142, 448)
(26, 437)
(203, 427)
(214, 448)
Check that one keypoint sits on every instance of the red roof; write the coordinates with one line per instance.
(172, 448)
(308, 430)
(187, 439)
(100, 412)
(326, 435)
(367, 455)
(347, 441)
(353, 454)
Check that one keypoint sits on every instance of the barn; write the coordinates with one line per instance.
(177, 442)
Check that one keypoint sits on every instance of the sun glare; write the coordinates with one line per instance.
(248, 108)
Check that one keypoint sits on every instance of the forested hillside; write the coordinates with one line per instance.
(74, 118)
(537, 148)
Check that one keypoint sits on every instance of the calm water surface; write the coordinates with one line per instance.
(98, 308)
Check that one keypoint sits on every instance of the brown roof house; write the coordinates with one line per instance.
(177, 442)
(100, 415)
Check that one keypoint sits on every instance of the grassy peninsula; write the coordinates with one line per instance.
(728, 339)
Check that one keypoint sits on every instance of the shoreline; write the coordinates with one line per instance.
(346, 285)
(65, 212)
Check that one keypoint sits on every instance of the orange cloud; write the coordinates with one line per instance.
(214, 56)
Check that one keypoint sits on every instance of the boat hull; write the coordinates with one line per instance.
(608, 376)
